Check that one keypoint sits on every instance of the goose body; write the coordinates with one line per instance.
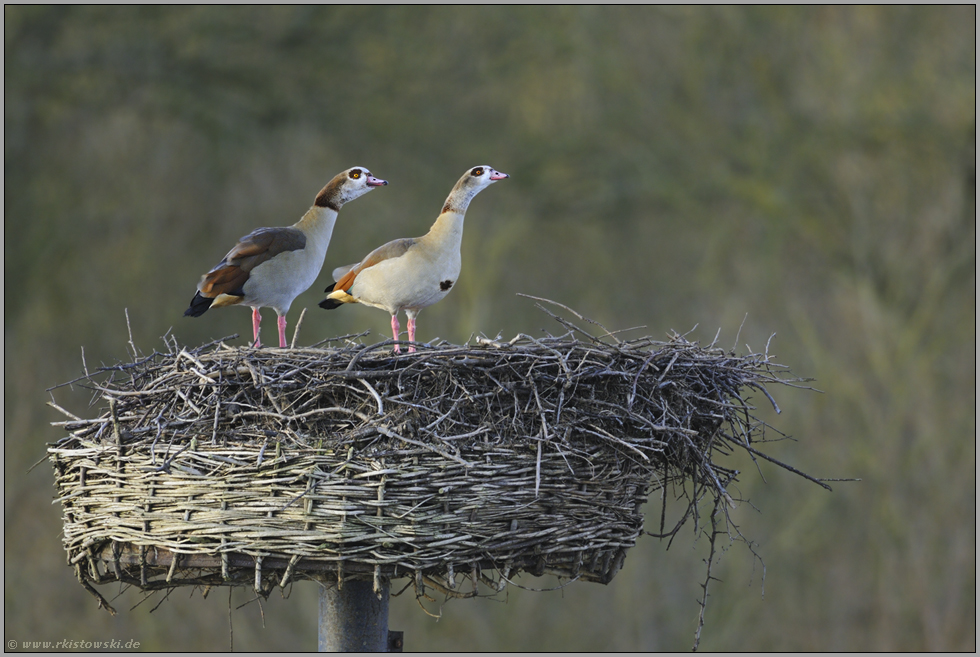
(270, 267)
(410, 274)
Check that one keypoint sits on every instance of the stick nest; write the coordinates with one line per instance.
(237, 466)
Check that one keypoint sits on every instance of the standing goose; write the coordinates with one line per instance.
(270, 267)
(412, 273)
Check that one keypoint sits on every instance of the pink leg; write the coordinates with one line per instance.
(411, 333)
(395, 328)
(282, 331)
(256, 319)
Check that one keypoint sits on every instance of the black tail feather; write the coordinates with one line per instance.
(199, 305)
(330, 304)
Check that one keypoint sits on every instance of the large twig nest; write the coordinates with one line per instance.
(482, 460)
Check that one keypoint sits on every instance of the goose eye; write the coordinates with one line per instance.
(477, 172)
(355, 174)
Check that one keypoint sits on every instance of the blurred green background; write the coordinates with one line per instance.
(813, 169)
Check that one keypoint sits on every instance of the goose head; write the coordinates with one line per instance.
(482, 176)
(347, 186)
(472, 183)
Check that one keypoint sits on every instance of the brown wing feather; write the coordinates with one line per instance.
(226, 280)
(392, 249)
(230, 275)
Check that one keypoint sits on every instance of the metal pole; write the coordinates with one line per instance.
(352, 618)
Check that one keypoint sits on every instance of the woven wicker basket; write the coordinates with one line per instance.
(231, 466)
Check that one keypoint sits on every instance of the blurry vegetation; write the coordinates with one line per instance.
(813, 168)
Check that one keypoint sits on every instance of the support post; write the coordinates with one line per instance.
(352, 618)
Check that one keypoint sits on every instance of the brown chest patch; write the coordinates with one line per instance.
(445, 285)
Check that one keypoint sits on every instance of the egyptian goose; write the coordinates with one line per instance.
(270, 267)
(412, 273)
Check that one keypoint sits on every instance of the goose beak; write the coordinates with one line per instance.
(498, 175)
(376, 182)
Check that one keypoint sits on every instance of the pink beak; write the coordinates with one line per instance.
(497, 175)
(376, 182)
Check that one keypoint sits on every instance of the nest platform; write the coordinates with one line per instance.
(222, 465)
